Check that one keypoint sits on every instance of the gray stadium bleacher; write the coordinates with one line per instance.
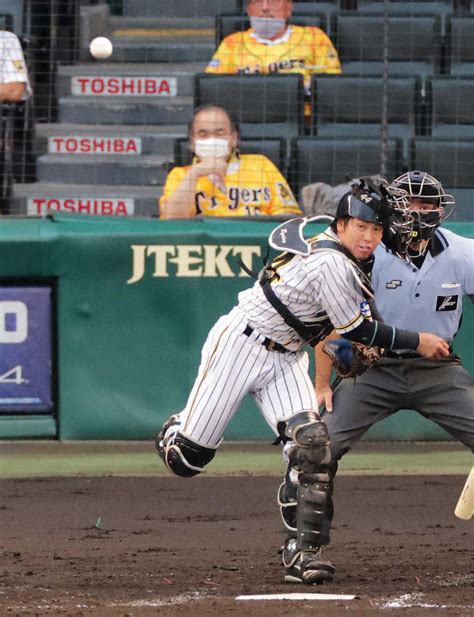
(176, 39)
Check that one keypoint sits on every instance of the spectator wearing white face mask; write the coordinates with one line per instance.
(220, 181)
(272, 45)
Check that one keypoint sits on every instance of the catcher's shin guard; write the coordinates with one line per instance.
(311, 457)
(315, 510)
(181, 455)
(287, 495)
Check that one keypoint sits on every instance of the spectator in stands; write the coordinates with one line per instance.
(14, 82)
(272, 45)
(220, 181)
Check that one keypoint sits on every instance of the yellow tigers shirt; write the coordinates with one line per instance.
(302, 49)
(254, 186)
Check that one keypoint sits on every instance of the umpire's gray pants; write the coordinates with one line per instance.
(441, 391)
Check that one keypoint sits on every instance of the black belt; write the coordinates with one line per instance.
(408, 355)
(268, 343)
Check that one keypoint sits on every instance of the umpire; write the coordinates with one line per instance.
(428, 290)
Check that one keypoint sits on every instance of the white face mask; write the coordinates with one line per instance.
(212, 148)
(267, 27)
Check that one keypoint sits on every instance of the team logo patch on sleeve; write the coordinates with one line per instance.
(393, 284)
(447, 303)
(214, 64)
(19, 66)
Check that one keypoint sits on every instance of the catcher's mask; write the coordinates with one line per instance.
(382, 205)
(437, 204)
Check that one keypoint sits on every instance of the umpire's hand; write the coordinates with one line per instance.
(432, 347)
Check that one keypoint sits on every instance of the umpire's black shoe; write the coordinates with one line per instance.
(305, 566)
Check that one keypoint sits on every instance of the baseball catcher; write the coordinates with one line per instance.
(311, 288)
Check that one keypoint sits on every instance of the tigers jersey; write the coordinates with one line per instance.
(12, 61)
(253, 186)
(304, 50)
(320, 284)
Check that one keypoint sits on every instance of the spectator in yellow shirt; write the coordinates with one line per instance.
(271, 45)
(220, 181)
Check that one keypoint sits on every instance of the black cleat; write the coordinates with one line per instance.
(169, 427)
(306, 566)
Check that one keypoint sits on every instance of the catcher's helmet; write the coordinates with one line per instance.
(381, 204)
(422, 186)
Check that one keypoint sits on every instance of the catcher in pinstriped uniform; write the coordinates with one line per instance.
(258, 348)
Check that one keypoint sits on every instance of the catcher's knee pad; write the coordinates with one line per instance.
(314, 509)
(287, 496)
(183, 456)
(310, 449)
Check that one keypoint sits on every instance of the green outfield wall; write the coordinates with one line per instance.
(134, 300)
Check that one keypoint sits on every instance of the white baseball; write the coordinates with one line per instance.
(101, 47)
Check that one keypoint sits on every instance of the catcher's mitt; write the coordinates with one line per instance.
(351, 359)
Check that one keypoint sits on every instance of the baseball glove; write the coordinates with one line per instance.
(351, 359)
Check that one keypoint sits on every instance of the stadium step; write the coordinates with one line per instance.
(123, 110)
(112, 146)
(42, 197)
(175, 8)
(145, 170)
(99, 78)
(162, 40)
(162, 22)
(80, 139)
(141, 49)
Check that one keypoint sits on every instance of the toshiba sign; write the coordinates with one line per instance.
(94, 144)
(102, 206)
(95, 85)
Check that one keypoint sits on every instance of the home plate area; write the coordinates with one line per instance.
(170, 546)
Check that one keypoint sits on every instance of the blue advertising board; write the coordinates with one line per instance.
(26, 362)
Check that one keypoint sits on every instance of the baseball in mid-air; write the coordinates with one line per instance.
(101, 47)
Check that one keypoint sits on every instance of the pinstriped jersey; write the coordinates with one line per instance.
(323, 284)
(12, 61)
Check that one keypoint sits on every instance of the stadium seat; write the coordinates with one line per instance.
(414, 45)
(228, 24)
(460, 45)
(350, 106)
(452, 112)
(325, 8)
(13, 8)
(274, 149)
(331, 160)
(452, 163)
(263, 105)
(6, 22)
(411, 8)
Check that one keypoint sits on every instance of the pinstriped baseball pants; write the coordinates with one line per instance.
(233, 365)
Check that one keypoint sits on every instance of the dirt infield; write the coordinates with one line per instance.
(168, 546)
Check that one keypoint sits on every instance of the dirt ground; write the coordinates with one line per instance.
(167, 546)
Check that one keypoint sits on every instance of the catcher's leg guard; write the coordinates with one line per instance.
(287, 495)
(183, 456)
(310, 456)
